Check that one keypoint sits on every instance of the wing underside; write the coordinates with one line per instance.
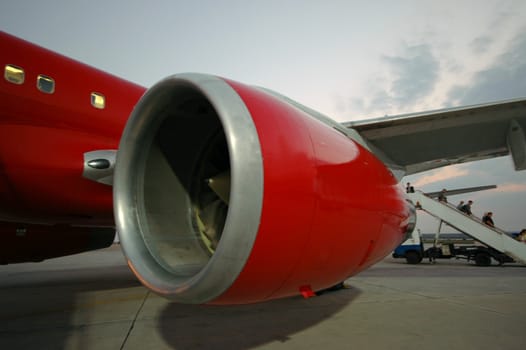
(413, 143)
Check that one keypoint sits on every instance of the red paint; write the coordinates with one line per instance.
(307, 292)
(43, 137)
(330, 209)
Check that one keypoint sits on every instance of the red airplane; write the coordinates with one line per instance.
(221, 193)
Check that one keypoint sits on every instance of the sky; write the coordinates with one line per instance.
(350, 60)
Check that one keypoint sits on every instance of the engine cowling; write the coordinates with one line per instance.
(225, 193)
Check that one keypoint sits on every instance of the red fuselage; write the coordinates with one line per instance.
(300, 205)
(44, 136)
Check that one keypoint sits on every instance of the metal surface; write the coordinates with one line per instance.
(331, 209)
(43, 137)
(102, 174)
(421, 141)
(176, 242)
(517, 144)
(153, 188)
(307, 204)
(472, 226)
(452, 192)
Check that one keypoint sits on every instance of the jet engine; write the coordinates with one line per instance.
(226, 193)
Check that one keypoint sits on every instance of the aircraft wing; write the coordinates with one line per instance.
(460, 191)
(417, 142)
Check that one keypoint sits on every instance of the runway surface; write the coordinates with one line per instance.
(92, 301)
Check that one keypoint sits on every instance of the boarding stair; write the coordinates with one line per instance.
(471, 226)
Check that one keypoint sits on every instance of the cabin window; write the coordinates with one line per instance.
(45, 84)
(98, 100)
(14, 74)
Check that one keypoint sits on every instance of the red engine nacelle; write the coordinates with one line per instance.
(225, 193)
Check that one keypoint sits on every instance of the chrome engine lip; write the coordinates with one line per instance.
(242, 222)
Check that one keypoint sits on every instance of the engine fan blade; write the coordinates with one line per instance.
(211, 220)
(220, 184)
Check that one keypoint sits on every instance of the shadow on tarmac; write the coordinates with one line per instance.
(247, 326)
(41, 306)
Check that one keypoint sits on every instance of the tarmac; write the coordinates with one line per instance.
(92, 301)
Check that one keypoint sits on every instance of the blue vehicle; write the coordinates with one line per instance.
(413, 251)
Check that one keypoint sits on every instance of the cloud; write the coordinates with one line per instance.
(411, 76)
(496, 28)
(415, 71)
(504, 79)
(481, 44)
(440, 175)
(512, 187)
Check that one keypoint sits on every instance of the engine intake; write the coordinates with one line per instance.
(226, 193)
(182, 223)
